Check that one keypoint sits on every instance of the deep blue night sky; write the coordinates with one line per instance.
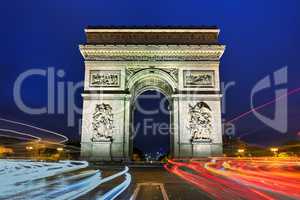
(261, 37)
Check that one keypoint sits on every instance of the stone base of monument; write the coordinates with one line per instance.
(101, 151)
(106, 150)
(96, 151)
(201, 149)
(198, 150)
(206, 149)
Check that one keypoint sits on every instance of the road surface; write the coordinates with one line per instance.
(156, 182)
(210, 178)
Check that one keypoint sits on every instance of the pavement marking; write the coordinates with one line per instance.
(161, 186)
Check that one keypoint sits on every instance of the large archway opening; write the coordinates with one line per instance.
(151, 126)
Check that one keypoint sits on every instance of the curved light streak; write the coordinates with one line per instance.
(271, 176)
(21, 133)
(242, 178)
(116, 191)
(23, 177)
(14, 137)
(217, 187)
(65, 139)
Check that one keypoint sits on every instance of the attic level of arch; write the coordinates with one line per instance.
(154, 36)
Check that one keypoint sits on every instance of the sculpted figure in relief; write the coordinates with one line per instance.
(102, 122)
(200, 122)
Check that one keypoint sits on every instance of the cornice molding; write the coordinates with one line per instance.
(152, 52)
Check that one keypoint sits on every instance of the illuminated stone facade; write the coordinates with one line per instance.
(180, 62)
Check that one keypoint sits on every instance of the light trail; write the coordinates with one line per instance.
(15, 137)
(19, 173)
(217, 187)
(35, 138)
(20, 133)
(255, 178)
(294, 91)
(116, 191)
(69, 180)
(268, 176)
(65, 139)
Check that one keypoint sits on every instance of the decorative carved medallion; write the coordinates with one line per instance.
(198, 78)
(103, 123)
(200, 122)
(105, 78)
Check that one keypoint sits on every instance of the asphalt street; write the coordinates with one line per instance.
(155, 183)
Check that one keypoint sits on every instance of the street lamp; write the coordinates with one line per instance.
(274, 150)
(60, 149)
(29, 148)
(241, 150)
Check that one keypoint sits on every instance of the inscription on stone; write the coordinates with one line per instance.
(198, 78)
(105, 78)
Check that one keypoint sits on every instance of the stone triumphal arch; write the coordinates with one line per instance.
(123, 62)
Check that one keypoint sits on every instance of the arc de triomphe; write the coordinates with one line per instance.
(123, 62)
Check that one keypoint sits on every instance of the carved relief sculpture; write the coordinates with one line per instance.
(200, 122)
(197, 78)
(102, 123)
(102, 78)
